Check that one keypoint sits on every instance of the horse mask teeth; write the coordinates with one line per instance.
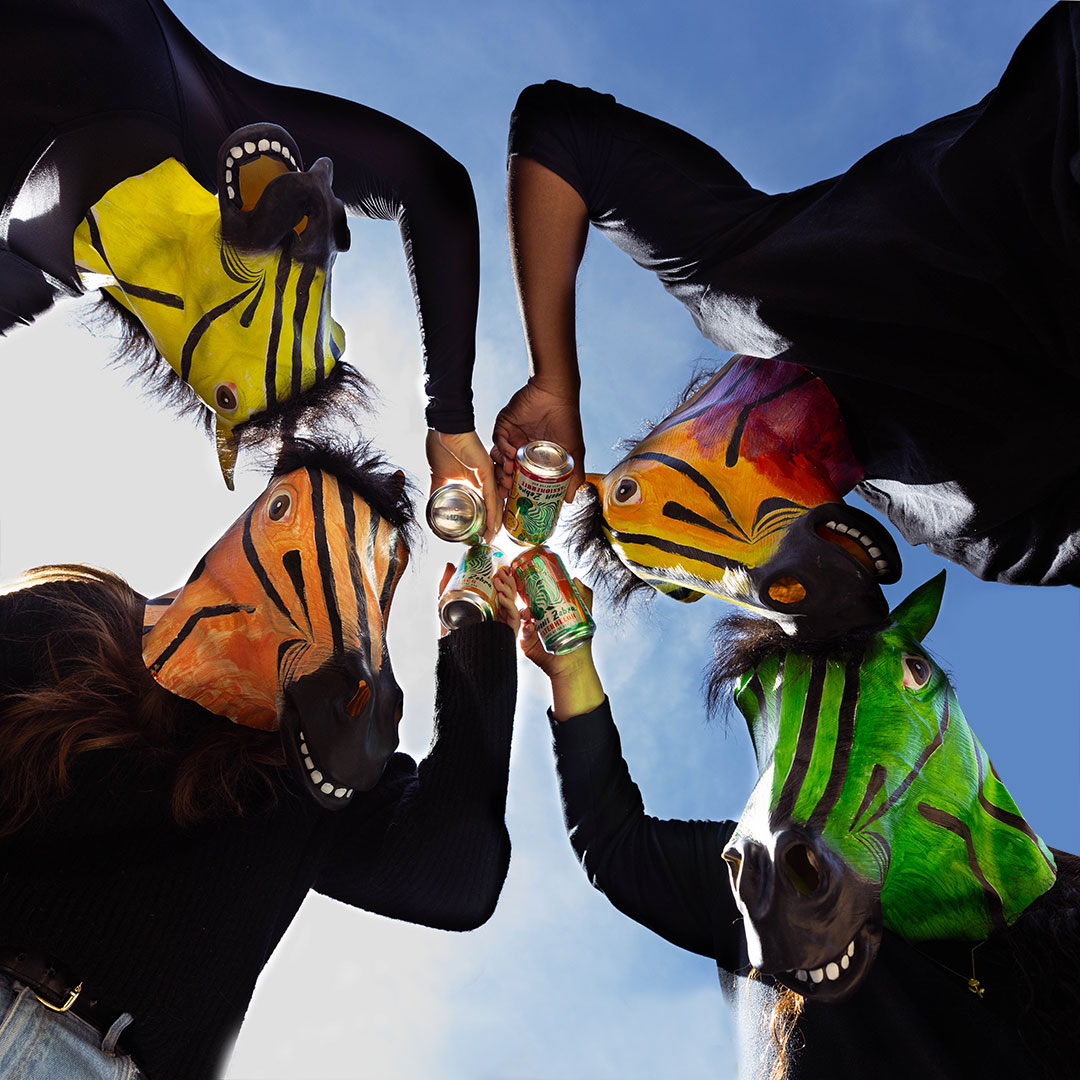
(235, 294)
(724, 497)
(868, 765)
(282, 623)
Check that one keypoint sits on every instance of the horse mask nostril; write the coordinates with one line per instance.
(802, 869)
(360, 699)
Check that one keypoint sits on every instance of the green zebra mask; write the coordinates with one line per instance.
(875, 807)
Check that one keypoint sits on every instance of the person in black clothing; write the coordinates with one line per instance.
(153, 853)
(932, 287)
(913, 1016)
(100, 91)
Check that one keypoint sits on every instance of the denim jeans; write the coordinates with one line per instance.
(37, 1044)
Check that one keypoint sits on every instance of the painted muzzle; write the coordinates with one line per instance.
(810, 921)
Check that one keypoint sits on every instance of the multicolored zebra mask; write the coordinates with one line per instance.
(234, 290)
(876, 806)
(282, 625)
(739, 494)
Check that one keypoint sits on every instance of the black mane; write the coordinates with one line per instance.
(384, 489)
(591, 548)
(741, 642)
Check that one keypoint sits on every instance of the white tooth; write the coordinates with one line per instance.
(841, 528)
(874, 552)
(316, 777)
(303, 748)
(830, 524)
(854, 534)
(348, 794)
(264, 145)
(309, 763)
(865, 540)
(832, 971)
(232, 194)
(237, 152)
(801, 976)
(228, 176)
(851, 948)
(275, 146)
(844, 962)
(338, 792)
(285, 153)
(817, 975)
(327, 788)
(249, 147)
(881, 564)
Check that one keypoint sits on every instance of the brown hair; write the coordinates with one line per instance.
(91, 691)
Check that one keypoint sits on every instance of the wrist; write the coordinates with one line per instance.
(558, 381)
(576, 686)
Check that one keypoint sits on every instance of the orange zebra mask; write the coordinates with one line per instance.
(738, 494)
(282, 623)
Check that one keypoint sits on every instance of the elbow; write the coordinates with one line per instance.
(475, 900)
(437, 180)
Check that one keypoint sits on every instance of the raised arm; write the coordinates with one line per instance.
(547, 223)
(382, 169)
(431, 847)
(667, 875)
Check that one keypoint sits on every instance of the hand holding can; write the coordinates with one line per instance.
(540, 479)
(562, 617)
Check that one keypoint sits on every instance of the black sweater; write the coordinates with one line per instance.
(912, 1019)
(933, 287)
(96, 91)
(174, 925)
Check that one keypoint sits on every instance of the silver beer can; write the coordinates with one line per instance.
(456, 512)
(469, 596)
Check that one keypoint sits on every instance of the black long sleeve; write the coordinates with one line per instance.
(100, 90)
(174, 924)
(441, 850)
(666, 875)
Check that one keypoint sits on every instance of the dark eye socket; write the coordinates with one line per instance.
(626, 491)
(279, 506)
(917, 671)
(225, 397)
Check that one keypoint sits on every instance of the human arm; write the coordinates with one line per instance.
(435, 850)
(385, 169)
(547, 224)
(667, 875)
(672, 203)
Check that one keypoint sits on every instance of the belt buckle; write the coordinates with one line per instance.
(60, 1008)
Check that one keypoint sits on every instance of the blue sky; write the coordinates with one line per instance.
(558, 985)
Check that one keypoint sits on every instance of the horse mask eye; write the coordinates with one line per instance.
(917, 671)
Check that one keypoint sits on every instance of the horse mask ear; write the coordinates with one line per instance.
(918, 613)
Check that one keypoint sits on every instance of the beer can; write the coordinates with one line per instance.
(541, 476)
(469, 596)
(562, 619)
(456, 511)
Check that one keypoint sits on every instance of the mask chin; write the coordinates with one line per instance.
(339, 726)
(269, 203)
